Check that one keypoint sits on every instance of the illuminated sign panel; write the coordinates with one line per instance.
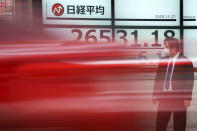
(190, 12)
(147, 12)
(7, 7)
(72, 20)
(77, 12)
(190, 35)
(190, 48)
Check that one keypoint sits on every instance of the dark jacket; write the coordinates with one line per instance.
(182, 79)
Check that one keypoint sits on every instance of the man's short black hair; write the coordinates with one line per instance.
(173, 43)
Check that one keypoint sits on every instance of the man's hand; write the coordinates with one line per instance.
(154, 99)
(187, 103)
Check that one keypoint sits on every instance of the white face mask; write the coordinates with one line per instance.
(165, 52)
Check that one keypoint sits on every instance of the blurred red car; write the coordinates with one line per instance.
(75, 87)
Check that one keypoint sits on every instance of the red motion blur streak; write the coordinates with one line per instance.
(58, 86)
(55, 71)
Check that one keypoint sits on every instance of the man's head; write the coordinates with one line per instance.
(172, 45)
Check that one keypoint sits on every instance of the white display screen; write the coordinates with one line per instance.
(147, 12)
(98, 12)
(77, 12)
(190, 12)
(57, 14)
(190, 45)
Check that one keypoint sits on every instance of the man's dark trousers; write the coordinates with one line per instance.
(168, 107)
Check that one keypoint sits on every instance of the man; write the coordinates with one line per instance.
(173, 87)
